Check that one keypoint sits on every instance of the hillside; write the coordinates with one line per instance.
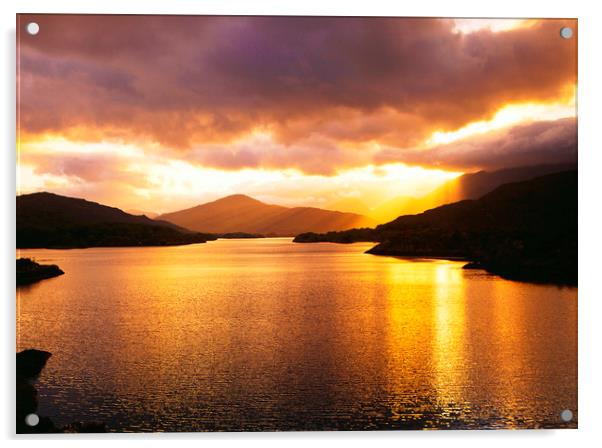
(240, 213)
(467, 186)
(50, 220)
(523, 230)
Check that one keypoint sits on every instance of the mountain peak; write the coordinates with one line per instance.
(241, 213)
(238, 196)
(238, 199)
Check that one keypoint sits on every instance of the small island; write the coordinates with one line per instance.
(28, 271)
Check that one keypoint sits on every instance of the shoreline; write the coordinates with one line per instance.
(471, 262)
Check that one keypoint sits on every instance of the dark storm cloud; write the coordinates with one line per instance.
(185, 81)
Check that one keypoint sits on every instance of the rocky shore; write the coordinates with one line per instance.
(30, 364)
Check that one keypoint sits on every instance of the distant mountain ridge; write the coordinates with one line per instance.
(241, 213)
(467, 186)
(476, 185)
(51, 220)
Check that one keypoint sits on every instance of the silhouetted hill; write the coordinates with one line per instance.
(50, 220)
(240, 213)
(523, 230)
(467, 186)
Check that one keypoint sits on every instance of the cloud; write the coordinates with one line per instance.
(314, 155)
(88, 175)
(119, 180)
(321, 86)
(522, 145)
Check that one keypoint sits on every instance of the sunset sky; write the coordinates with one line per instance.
(159, 113)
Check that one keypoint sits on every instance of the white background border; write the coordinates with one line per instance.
(590, 214)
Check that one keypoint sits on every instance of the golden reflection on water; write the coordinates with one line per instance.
(448, 350)
(267, 334)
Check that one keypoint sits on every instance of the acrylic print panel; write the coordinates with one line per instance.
(295, 223)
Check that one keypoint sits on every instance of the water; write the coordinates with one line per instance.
(271, 335)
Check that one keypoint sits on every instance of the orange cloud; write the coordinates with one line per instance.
(327, 90)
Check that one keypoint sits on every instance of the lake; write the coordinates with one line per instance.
(266, 334)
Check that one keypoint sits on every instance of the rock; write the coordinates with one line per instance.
(30, 363)
(29, 366)
(28, 271)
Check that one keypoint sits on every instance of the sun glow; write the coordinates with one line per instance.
(290, 187)
(507, 116)
(52, 144)
(466, 26)
(132, 177)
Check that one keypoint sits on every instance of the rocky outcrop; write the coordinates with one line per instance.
(30, 364)
(28, 271)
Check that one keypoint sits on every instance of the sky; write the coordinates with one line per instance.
(160, 113)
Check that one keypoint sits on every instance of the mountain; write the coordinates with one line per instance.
(240, 213)
(522, 230)
(467, 186)
(50, 220)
